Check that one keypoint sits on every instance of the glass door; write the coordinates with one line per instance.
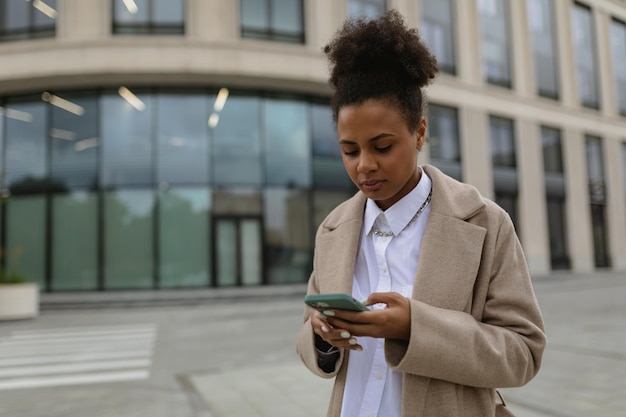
(238, 254)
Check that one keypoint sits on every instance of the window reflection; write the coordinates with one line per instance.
(128, 239)
(25, 237)
(182, 135)
(25, 147)
(496, 42)
(618, 49)
(541, 20)
(584, 47)
(184, 248)
(236, 143)
(74, 249)
(74, 144)
(438, 32)
(369, 9)
(287, 235)
(288, 150)
(126, 141)
(276, 20)
(443, 139)
(21, 19)
(328, 169)
(148, 16)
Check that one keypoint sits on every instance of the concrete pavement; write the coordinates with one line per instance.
(233, 356)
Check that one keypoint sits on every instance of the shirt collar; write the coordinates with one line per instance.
(401, 213)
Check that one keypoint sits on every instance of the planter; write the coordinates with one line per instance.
(19, 301)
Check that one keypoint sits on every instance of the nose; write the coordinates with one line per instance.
(367, 162)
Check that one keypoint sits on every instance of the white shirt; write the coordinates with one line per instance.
(384, 264)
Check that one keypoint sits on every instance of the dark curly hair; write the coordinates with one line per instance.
(380, 59)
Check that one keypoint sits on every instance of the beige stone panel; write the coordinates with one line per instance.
(521, 39)
(83, 20)
(324, 18)
(212, 20)
(533, 224)
(476, 150)
(467, 42)
(577, 209)
(616, 204)
(568, 89)
(606, 82)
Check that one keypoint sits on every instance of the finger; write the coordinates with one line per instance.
(389, 298)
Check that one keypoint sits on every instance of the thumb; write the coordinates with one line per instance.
(388, 298)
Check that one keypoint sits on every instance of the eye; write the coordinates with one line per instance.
(350, 153)
(384, 149)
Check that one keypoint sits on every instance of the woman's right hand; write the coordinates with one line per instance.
(339, 338)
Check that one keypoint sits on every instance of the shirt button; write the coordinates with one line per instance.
(379, 375)
(369, 415)
(383, 269)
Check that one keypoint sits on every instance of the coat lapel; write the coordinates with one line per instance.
(337, 248)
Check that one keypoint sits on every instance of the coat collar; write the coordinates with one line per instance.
(450, 249)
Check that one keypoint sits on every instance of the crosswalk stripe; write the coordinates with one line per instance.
(64, 356)
(91, 378)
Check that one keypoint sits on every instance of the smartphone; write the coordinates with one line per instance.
(338, 301)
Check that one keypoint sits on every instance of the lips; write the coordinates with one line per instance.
(371, 185)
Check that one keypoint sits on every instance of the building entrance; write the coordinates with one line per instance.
(237, 251)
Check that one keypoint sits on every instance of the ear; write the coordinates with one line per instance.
(422, 128)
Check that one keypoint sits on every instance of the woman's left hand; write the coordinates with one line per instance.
(392, 322)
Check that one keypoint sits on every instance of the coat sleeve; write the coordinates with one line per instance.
(501, 349)
(305, 343)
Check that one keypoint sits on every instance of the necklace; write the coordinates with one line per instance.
(379, 232)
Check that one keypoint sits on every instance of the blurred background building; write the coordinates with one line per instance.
(151, 144)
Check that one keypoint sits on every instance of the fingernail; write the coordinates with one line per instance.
(325, 329)
(321, 316)
(359, 348)
(352, 341)
(328, 313)
(345, 335)
(364, 301)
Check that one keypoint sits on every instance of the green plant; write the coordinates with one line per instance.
(12, 277)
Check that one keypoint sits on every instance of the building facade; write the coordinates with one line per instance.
(151, 144)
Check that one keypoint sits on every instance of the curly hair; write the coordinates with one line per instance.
(380, 59)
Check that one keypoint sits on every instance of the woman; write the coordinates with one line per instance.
(454, 315)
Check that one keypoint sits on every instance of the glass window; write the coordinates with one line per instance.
(595, 169)
(74, 241)
(149, 16)
(26, 237)
(287, 145)
(585, 51)
(21, 19)
(182, 134)
(557, 231)
(236, 143)
(496, 41)
(128, 239)
(369, 9)
(552, 154)
(26, 149)
(328, 169)
(443, 139)
(502, 142)
(184, 251)
(73, 141)
(126, 139)
(541, 21)
(438, 32)
(600, 238)
(618, 49)
(287, 235)
(276, 20)
(324, 201)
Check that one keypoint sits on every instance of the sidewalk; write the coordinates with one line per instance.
(583, 372)
(228, 354)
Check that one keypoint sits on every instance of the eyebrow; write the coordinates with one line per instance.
(374, 139)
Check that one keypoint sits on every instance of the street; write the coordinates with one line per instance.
(215, 356)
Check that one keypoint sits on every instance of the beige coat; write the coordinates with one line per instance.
(475, 322)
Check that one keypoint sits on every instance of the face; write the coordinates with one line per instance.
(378, 150)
